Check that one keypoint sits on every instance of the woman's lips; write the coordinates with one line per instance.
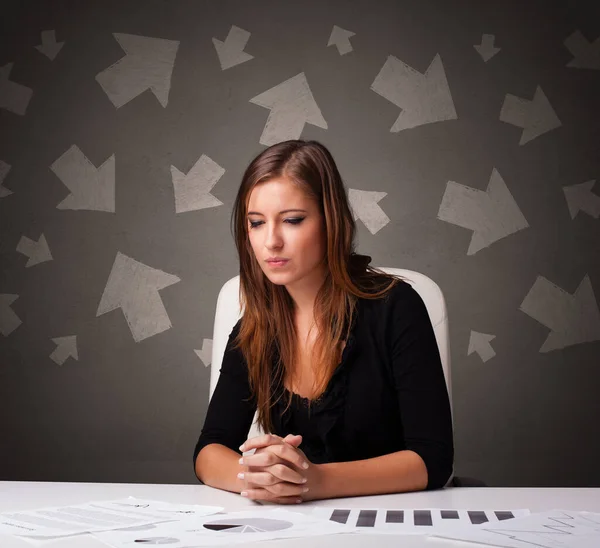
(278, 264)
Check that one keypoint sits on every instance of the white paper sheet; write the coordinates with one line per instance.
(60, 521)
(404, 521)
(552, 529)
(224, 529)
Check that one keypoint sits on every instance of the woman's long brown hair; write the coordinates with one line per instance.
(268, 317)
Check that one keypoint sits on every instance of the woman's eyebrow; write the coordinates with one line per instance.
(280, 213)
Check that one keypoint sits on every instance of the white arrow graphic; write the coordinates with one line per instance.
(38, 252)
(192, 191)
(486, 49)
(9, 321)
(65, 347)
(133, 287)
(480, 343)
(13, 97)
(423, 98)
(341, 39)
(231, 52)
(4, 169)
(586, 55)
(91, 188)
(206, 353)
(581, 198)
(572, 319)
(147, 65)
(49, 46)
(536, 117)
(292, 105)
(364, 204)
(491, 214)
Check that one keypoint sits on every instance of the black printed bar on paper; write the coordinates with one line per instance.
(366, 518)
(423, 517)
(477, 517)
(449, 514)
(341, 516)
(394, 516)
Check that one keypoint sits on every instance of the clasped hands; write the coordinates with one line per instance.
(278, 471)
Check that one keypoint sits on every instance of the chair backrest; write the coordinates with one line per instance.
(228, 313)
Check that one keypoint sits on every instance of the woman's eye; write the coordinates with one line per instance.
(254, 224)
(295, 221)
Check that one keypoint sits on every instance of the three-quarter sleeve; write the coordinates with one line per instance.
(232, 407)
(421, 386)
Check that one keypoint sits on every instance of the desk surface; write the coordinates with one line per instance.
(30, 495)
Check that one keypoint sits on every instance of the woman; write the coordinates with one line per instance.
(339, 359)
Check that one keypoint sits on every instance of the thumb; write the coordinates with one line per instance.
(293, 439)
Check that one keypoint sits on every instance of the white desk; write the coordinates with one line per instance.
(30, 495)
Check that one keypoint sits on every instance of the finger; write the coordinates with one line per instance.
(291, 454)
(293, 439)
(266, 495)
(260, 441)
(266, 458)
(273, 474)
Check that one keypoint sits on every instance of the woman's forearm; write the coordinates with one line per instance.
(218, 466)
(392, 473)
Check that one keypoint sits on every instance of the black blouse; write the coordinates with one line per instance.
(387, 394)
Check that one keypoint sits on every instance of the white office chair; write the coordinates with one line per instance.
(228, 313)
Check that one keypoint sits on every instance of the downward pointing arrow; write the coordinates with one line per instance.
(13, 97)
(486, 49)
(192, 191)
(91, 188)
(65, 347)
(38, 252)
(292, 105)
(148, 64)
(341, 39)
(573, 319)
(49, 47)
(581, 198)
(231, 52)
(206, 353)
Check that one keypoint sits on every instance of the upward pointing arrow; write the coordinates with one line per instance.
(49, 47)
(148, 64)
(292, 105)
(341, 39)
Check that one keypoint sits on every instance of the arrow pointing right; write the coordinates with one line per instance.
(9, 321)
(573, 319)
(4, 169)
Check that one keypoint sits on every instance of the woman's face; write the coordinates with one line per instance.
(285, 222)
